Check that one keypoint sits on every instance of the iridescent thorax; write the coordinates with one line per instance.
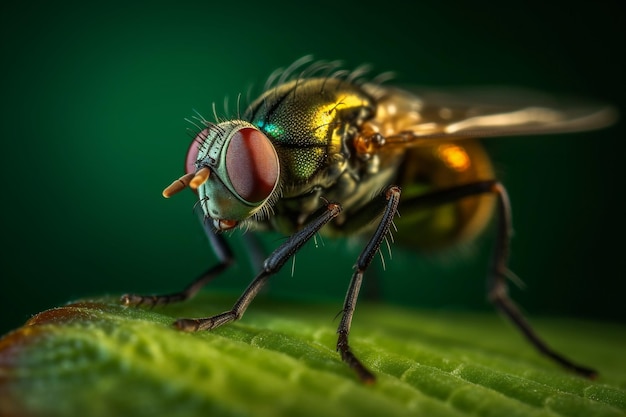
(310, 121)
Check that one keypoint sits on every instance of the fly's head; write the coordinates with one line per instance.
(235, 170)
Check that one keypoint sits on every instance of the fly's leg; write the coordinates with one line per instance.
(391, 199)
(498, 294)
(225, 256)
(272, 264)
(497, 286)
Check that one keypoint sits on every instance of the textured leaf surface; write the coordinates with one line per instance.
(97, 358)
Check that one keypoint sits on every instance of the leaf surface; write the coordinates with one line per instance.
(98, 358)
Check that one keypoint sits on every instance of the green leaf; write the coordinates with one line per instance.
(98, 358)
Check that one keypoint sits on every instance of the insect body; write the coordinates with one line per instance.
(323, 151)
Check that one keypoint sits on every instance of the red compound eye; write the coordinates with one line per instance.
(252, 164)
(192, 152)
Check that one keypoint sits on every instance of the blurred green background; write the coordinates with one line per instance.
(94, 95)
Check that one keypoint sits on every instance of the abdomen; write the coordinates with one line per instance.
(443, 165)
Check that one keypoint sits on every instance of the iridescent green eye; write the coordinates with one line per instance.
(251, 164)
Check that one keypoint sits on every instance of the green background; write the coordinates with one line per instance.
(94, 95)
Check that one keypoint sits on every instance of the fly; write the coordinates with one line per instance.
(310, 153)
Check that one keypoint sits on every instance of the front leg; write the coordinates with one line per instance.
(220, 248)
(272, 264)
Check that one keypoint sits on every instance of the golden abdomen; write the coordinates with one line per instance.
(443, 165)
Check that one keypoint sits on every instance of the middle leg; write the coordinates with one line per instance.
(392, 197)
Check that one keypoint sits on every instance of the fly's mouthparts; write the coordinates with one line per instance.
(223, 224)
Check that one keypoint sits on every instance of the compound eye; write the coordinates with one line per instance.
(194, 149)
(252, 164)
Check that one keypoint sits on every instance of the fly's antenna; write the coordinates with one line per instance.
(191, 179)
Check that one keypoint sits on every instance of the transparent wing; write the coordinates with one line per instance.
(421, 114)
